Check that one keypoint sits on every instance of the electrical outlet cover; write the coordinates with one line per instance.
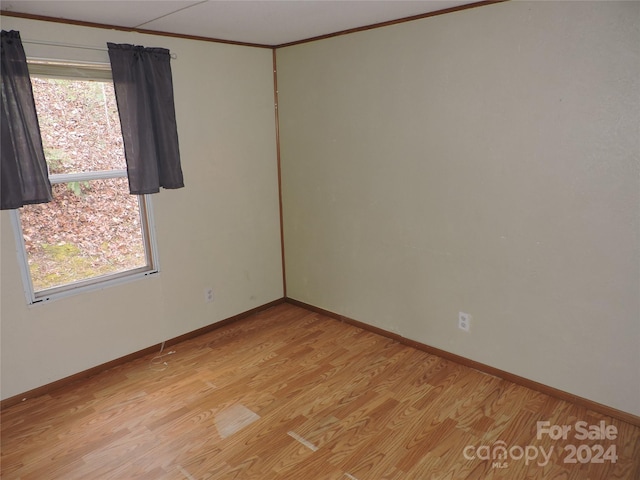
(464, 321)
(208, 295)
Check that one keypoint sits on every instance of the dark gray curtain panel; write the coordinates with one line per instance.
(23, 169)
(144, 94)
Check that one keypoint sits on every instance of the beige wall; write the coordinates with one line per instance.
(484, 161)
(222, 230)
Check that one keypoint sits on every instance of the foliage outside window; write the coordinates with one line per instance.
(94, 231)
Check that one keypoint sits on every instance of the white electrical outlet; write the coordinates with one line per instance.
(464, 321)
(208, 295)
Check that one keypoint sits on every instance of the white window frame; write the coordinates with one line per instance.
(99, 72)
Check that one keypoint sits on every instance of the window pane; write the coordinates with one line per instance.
(79, 124)
(90, 229)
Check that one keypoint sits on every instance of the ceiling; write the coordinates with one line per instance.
(264, 22)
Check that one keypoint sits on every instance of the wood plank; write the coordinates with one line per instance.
(325, 400)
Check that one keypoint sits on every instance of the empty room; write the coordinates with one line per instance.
(320, 240)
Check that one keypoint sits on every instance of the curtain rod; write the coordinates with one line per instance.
(70, 45)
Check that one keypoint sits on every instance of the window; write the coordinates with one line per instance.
(93, 232)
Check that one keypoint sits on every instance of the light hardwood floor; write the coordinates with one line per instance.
(291, 394)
